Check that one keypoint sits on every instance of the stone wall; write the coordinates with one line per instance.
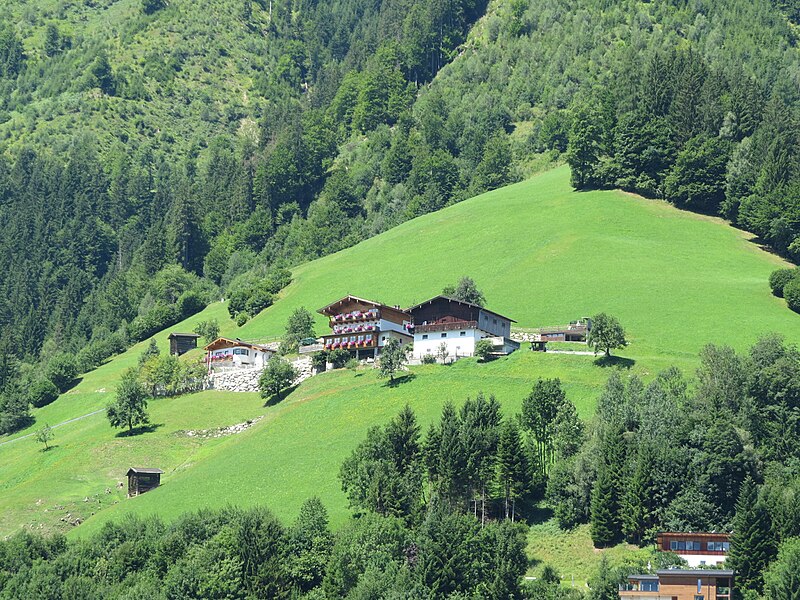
(246, 380)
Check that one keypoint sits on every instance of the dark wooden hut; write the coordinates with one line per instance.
(180, 343)
(142, 480)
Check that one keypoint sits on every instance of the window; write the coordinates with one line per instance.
(462, 333)
(424, 336)
(699, 589)
(699, 597)
(723, 588)
(494, 321)
(649, 586)
(692, 545)
(677, 545)
(718, 546)
(444, 335)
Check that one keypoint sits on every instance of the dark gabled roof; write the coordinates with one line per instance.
(470, 304)
(145, 471)
(696, 572)
(349, 298)
(643, 577)
(222, 342)
(186, 335)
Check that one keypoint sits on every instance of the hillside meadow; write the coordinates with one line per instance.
(541, 253)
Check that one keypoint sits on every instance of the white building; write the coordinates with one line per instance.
(457, 326)
(225, 353)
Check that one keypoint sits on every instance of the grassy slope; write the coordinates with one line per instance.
(542, 253)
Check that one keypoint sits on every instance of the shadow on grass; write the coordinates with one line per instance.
(538, 515)
(149, 428)
(50, 447)
(280, 396)
(72, 384)
(614, 361)
(397, 381)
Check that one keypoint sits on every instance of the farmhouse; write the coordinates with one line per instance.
(459, 326)
(575, 331)
(364, 326)
(679, 584)
(181, 343)
(225, 353)
(697, 549)
(142, 480)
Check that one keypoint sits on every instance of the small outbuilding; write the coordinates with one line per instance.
(142, 480)
(181, 343)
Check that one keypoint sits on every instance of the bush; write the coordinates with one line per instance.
(253, 294)
(277, 376)
(190, 303)
(156, 319)
(338, 358)
(779, 278)
(428, 359)
(62, 370)
(93, 354)
(242, 318)
(42, 392)
(352, 364)
(791, 292)
(319, 360)
(483, 349)
(208, 329)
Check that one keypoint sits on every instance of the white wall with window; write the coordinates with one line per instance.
(459, 342)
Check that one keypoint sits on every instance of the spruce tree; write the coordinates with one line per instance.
(512, 467)
(752, 541)
(636, 512)
(606, 494)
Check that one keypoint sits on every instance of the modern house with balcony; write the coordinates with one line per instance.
(459, 326)
(697, 549)
(679, 584)
(223, 354)
(363, 326)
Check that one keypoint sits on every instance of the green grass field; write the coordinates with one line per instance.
(542, 254)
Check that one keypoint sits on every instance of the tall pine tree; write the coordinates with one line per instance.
(752, 542)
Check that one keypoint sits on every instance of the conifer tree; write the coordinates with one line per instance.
(606, 525)
(636, 509)
(752, 541)
(512, 467)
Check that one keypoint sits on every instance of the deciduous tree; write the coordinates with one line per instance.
(129, 408)
(606, 334)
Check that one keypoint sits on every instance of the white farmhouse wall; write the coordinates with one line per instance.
(457, 344)
(385, 336)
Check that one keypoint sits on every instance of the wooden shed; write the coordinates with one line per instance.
(180, 343)
(142, 480)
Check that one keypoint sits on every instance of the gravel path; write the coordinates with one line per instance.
(27, 435)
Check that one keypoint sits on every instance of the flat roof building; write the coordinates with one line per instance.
(679, 584)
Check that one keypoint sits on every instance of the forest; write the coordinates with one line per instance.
(443, 513)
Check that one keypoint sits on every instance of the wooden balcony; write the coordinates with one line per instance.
(446, 326)
(345, 318)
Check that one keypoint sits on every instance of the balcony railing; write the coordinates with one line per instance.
(356, 316)
(447, 326)
(336, 344)
(351, 327)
